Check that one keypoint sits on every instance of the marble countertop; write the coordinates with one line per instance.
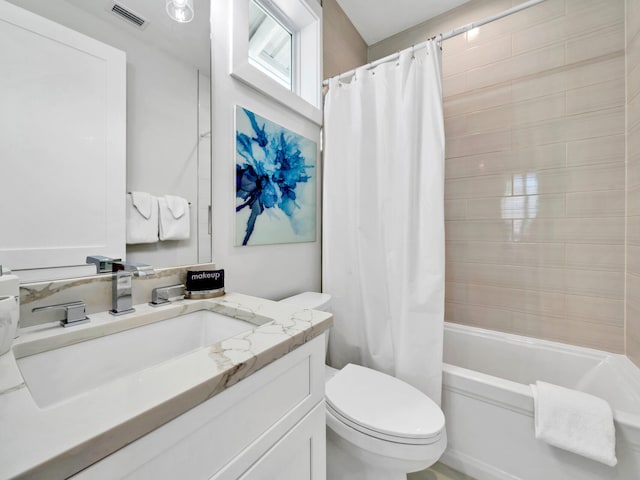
(61, 439)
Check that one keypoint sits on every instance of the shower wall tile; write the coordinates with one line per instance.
(633, 237)
(517, 207)
(572, 127)
(633, 201)
(456, 209)
(517, 254)
(478, 230)
(596, 97)
(550, 327)
(608, 203)
(633, 81)
(591, 178)
(570, 77)
(609, 149)
(476, 101)
(633, 181)
(516, 299)
(603, 231)
(478, 143)
(547, 12)
(582, 21)
(595, 257)
(607, 41)
(595, 309)
(539, 279)
(633, 49)
(535, 186)
(517, 66)
(633, 113)
(455, 85)
(511, 161)
(574, 5)
(477, 56)
(485, 186)
(633, 259)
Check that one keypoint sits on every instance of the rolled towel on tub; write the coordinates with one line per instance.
(575, 421)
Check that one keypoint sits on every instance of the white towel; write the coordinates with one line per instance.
(142, 218)
(174, 218)
(9, 312)
(575, 421)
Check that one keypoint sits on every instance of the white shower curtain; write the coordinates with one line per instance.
(383, 220)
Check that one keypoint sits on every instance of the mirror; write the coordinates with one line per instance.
(168, 114)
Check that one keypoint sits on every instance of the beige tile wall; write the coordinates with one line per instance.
(633, 180)
(535, 169)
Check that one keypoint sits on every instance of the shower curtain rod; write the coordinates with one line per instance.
(446, 36)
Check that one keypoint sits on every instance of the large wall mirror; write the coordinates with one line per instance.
(168, 129)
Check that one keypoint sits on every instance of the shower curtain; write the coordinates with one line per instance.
(383, 218)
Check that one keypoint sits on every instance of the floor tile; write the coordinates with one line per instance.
(439, 471)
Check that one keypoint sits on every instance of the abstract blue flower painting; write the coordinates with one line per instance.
(275, 183)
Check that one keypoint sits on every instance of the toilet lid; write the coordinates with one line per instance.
(383, 406)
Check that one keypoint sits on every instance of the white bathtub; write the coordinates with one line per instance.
(488, 405)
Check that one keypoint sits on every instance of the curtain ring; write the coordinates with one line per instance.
(398, 61)
(413, 52)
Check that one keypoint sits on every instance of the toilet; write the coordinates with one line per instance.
(378, 427)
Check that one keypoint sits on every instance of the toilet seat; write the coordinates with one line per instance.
(384, 407)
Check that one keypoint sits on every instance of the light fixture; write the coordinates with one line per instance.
(180, 10)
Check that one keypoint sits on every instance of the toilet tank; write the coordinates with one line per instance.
(311, 300)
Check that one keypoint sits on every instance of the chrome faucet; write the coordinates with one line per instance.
(122, 285)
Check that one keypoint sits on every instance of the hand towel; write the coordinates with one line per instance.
(575, 421)
(174, 218)
(9, 310)
(142, 218)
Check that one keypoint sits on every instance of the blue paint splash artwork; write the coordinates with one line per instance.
(275, 183)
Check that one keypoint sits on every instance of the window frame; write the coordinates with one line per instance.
(304, 17)
(277, 17)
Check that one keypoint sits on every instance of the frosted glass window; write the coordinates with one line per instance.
(270, 45)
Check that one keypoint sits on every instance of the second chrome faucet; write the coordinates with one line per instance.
(122, 285)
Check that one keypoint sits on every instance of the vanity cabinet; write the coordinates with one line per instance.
(268, 426)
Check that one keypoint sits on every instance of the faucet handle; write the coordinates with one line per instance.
(75, 312)
(170, 293)
(103, 264)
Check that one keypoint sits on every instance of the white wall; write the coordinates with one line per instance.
(270, 271)
(162, 121)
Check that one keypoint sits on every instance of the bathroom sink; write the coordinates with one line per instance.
(56, 375)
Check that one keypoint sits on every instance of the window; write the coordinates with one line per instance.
(277, 49)
(270, 45)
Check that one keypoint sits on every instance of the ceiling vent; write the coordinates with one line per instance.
(128, 16)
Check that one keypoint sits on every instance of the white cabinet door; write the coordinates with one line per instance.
(62, 144)
(300, 455)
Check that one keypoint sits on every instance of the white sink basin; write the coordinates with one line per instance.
(56, 375)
